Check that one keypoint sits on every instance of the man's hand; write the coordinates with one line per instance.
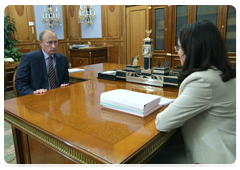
(40, 91)
(64, 85)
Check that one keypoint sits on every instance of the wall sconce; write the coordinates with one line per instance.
(86, 15)
(51, 16)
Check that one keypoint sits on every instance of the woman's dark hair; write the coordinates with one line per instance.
(204, 47)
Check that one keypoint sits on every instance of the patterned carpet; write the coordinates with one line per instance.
(9, 151)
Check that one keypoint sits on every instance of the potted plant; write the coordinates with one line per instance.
(10, 50)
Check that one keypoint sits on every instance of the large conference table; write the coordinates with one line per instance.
(68, 125)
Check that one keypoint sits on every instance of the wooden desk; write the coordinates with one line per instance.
(91, 73)
(87, 56)
(68, 125)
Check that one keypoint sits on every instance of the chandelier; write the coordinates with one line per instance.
(51, 16)
(86, 15)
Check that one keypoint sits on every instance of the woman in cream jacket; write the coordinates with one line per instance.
(206, 106)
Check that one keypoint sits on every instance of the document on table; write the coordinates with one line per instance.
(165, 101)
(72, 70)
(140, 104)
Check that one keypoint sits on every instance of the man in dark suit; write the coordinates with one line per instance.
(38, 70)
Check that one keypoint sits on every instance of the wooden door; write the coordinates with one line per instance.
(23, 14)
(26, 35)
(137, 21)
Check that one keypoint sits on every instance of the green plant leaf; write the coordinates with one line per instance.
(10, 50)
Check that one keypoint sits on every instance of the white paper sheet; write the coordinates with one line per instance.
(165, 101)
(72, 70)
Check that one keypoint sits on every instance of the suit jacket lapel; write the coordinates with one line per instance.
(40, 61)
(58, 64)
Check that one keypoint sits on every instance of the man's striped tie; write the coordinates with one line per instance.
(52, 78)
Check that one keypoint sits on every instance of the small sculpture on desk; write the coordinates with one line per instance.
(166, 63)
(148, 32)
(158, 64)
(135, 61)
(133, 66)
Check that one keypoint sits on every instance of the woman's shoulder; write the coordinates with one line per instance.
(210, 77)
(210, 74)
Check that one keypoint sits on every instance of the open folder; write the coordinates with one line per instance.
(136, 103)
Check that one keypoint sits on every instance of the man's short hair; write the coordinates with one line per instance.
(43, 32)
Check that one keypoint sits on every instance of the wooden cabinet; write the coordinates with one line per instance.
(168, 20)
(86, 56)
(161, 34)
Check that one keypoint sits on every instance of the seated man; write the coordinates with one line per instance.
(44, 69)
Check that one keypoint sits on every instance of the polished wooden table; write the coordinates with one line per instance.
(68, 125)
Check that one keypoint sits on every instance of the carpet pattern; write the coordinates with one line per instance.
(9, 151)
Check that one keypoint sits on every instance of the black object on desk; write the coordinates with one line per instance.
(108, 75)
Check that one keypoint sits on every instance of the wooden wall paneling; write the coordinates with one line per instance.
(96, 43)
(223, 27)
(103, 14)
(150, 19)
(168, 29)
(25, 48)
(113, 23)
(136, 23)
(191, 13)
(74, 28)
(63, 49)
(223, 21)
(158, 58)
(220, 17)
(115, 52)
(93, 42)
(175, 61)
(123, 58)
(113, 20)
(64, 41)
(233, 57)
(23, 14)
(64, 22)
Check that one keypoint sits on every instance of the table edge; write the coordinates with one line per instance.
(138, 157)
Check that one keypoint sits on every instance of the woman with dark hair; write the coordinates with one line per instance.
(206, 105)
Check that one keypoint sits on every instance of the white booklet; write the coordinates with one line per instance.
(140, 104)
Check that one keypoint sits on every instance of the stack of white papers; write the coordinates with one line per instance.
(136, 103)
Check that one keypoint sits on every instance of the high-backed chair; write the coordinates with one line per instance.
(14, 78)
(5, 81)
